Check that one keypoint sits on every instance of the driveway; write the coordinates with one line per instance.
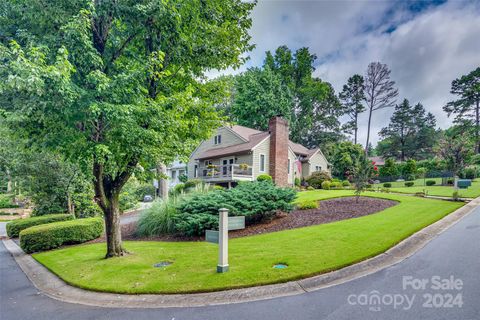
(446, 271)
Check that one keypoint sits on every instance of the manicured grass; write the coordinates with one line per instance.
(417, 182)
(446, 191)
(307, 251)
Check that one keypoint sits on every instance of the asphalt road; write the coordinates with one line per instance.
(455, 253)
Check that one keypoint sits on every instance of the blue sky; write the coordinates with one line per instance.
(427, 44)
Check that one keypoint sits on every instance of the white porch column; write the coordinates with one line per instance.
(223, 241)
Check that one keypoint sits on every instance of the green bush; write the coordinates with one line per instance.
(430, 182)
(6, 201)
(297, 182)
(315, 179)
(336, 180)
(326, 185)
(450, 182)
(337, 185)
(312, 204)
(387, 185)
(14, 227)
(183, 178)
(255, 200)
(264, 177)
(310, 188)
(179, 188)
(53, 235)
(143, 190)
(159, 219)
(409, 183)
(216, 187)
(346, 183)
(192, 183)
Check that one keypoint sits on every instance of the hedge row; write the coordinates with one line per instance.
(53, 235)
(14, 227)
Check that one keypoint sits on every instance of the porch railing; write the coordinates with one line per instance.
(228, 172)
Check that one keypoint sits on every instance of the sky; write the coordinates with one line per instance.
(426, 44)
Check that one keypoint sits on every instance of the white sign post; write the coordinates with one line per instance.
(223, 241)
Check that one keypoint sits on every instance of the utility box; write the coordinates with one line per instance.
(464, 183)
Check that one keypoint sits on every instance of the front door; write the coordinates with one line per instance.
(226, 167)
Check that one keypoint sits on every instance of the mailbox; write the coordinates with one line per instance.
(464, 183)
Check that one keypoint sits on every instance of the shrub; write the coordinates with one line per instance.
(183, 178)
(178, 188)
(326, 185)
(455, 196)
(346, 183)
(420, 194)
(315, 179)
(312, 204)
(14, 227)
(143, 190)
(368, 186)
(430, 182)
(297, 182)
(264, 177)
(6, 201)
(336, 180)
(387, 185)
(159, 219)
(450, 182)
(255, 200)
(409, 183)
(386, 190)
(336, 185)
(310, 188)
(192, 183)
(53, 235)
(216, 187)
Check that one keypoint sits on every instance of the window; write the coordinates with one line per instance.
(218, 139)
(174, 174)
(318, 168)
(288, 170)
(262, 163)
(207, 162)
(195, 171)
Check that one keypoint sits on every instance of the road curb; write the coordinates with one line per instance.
(52, 286)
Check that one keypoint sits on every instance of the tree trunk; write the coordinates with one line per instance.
(112, 228)
(9, 182)
(162, 182)
(477, 128)
(356, 127)
(368, 130)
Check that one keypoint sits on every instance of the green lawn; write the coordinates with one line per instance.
(307, 251)
(446, 191)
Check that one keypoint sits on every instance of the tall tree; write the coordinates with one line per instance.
(260, 95)
(410, 133)
(467, 107)
(123, 90)
(379, 92)
(315, 108)
(353, 99)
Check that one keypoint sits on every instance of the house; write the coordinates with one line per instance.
(173, 171)
(236, 153)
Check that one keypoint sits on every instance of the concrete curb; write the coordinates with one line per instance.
(52, 286)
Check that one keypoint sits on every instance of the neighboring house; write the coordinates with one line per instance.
(237, 153)
(174, 171)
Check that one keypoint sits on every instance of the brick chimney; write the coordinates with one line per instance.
(278, 128)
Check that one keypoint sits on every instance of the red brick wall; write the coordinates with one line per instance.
(278, 128)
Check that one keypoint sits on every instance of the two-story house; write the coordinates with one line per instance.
(237, 153)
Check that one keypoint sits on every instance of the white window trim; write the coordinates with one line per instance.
(289, 165)
(260, 162)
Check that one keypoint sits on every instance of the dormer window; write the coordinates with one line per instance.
(218, 139)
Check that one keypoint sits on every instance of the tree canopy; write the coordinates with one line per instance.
(117, 85)
(410, 134)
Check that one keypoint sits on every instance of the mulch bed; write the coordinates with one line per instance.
(328, 211)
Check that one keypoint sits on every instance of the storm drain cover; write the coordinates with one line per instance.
(162, 264)
(280, 266)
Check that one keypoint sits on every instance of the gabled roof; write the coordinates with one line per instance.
(252, 138)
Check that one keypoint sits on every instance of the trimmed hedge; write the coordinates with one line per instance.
(14, 227)
(53, 235)
(430, 182)
(409, 184)
(387, 185)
